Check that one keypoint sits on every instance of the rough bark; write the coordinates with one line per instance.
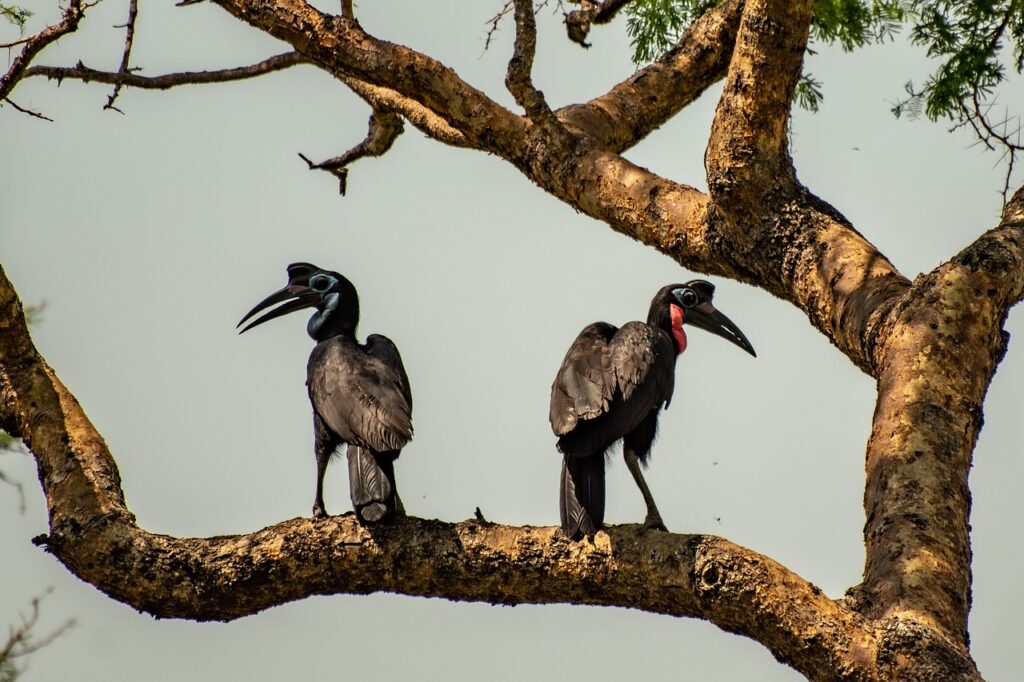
(932, 345)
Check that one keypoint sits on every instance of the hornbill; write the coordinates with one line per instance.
(612, 384)
(360, 392)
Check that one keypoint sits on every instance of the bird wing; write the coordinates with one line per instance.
(643, 359)
(585, 383)
(362, 394)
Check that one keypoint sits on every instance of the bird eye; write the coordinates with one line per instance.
(688, 298)
(320, 283)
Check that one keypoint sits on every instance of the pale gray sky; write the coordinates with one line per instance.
(151, 234)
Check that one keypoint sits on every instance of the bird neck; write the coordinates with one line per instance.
(332, 320)
(669, 318)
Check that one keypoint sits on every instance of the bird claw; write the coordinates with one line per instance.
(654, 522)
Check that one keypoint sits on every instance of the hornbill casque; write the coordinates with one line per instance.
(612, 384)
(360, 392)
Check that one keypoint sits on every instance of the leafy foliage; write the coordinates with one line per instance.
(17, 16)
(808, 92)
(968, 38)
(654, 25)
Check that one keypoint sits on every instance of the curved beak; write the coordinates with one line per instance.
(297, 297)
(710, 319)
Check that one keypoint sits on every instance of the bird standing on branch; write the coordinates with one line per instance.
(360, 392)
(612, 384)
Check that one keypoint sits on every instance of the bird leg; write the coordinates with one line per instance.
(321, 468)
(653, 520)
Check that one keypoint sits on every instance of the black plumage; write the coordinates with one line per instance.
(359, 392)
(612, 384)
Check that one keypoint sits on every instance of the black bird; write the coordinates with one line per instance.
(360, 392)
(612, 384)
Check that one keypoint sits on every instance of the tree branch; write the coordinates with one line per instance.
(748, 148)
(341, 47)
(519, 77)
(634, 108)
(927, 420)
(421, 117)
(224, 578)
(133, 13)
(72, 14)
(83, 73)
(384, 128)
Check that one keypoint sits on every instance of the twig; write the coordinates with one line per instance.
(20, 642)
(494, 21)
(72, 14)
(83, 73)
(4, 478)
(33, 114)
(133, 12)
(383, 129)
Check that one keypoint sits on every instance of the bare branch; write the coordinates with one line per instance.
(494, 21)
(7, 480)
(384, 128)
(578, 22)
(21, 642)
(133, 12)
(33, 114)
(72, 14)
(994, 135)
(83, 73)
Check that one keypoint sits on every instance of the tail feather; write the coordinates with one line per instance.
(371, 480)
(581, 503)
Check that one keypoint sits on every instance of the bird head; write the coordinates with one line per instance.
(333, 296)
(691, 303)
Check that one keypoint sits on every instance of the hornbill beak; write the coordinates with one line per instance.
(710, 319)
(301, 297)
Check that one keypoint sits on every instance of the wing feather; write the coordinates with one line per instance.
(640, 355)
(585, 383)
(362, 394)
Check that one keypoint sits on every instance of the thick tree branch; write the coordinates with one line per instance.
(927, 419)
(637, 106)
(35, 44)
(519, 76)
(340, 46)
(383, 129)
(223, 578)
(748, 149)
(421, 117)
(85, 74)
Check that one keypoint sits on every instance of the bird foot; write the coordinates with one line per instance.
(654, 522)
(319, 512)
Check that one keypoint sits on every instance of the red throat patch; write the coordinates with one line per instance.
(677, 327)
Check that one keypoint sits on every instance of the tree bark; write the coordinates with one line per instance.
(932, 345)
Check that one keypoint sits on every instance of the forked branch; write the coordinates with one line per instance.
(384, 128)
(34, 44)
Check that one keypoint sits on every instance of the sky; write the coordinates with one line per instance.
(150, 234)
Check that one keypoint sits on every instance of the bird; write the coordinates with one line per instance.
(359, 392)
(612, 385)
